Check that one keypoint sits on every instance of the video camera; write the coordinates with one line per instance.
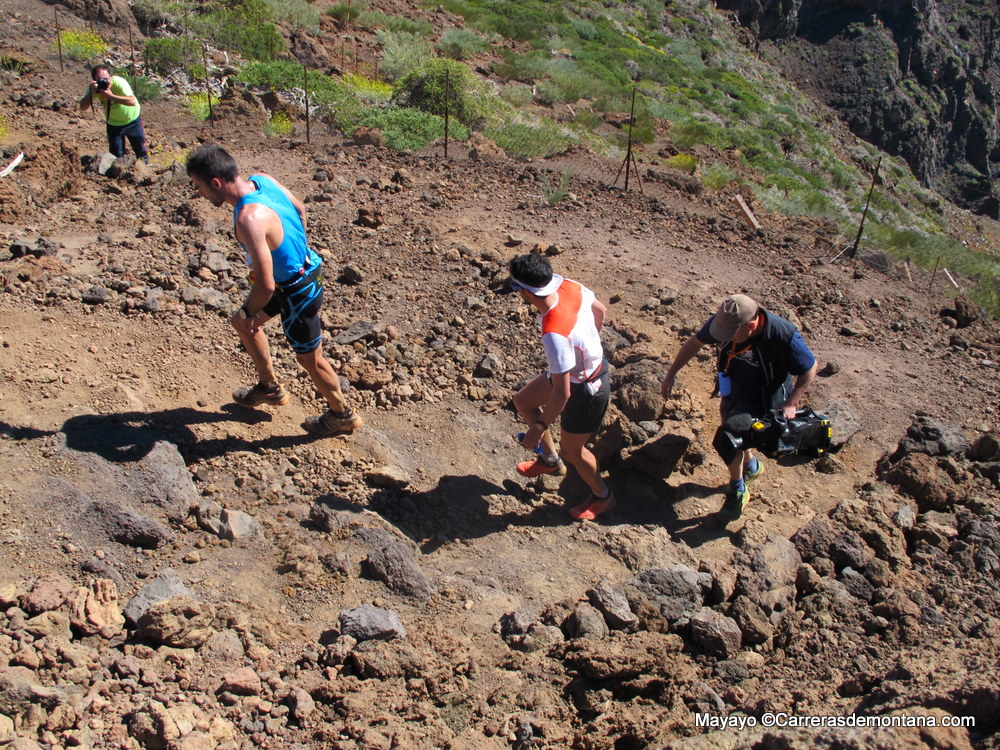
(807, 433)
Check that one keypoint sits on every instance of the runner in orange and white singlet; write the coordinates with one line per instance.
(574, 389)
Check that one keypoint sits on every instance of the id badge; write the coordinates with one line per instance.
(725, 384)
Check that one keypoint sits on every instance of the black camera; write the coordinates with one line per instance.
(103, 84)
(807, 433)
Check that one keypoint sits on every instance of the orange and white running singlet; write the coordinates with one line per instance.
(569, 333)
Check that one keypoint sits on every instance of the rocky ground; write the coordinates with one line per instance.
(178, 572)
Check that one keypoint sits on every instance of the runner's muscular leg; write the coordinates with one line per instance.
(573, 449)
(324, 378)
(529, 402)
(259, 350)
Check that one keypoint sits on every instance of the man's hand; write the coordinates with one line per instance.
(532, 438)
(667, 387)
(788, 410)
(245, 325)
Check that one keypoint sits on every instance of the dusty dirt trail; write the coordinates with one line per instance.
(85, 381)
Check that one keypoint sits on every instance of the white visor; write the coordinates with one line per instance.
(541, 291)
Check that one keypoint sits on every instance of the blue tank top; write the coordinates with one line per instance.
(293, 258)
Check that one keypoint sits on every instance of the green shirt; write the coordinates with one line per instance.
(115, 113)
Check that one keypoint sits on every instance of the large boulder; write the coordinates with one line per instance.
(932, 436)
(919, 476)
(767, 574)
(181, 622)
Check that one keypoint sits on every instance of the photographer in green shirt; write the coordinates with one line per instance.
(121, 111)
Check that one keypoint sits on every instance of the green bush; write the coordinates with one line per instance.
(145, 89)
(197, 105)
(375, 19)
(716, 176)
(402, 53)
(684, 162)
(14, 65)
(244, 26)
(525, 21)
(567, 83)
(279, 124)
(297, 14)
(517, 94)
(585, 30)
(82, 45)
(520, 139)
(166, 54)
(346, 12)
(694, 132)
(405, 128)
(425, 89)
(461, 44)
(282, 75)
(367, 89)
(555, 192)
(587, 120)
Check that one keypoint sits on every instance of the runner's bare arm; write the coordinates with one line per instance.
(252, 229)
(599, 312)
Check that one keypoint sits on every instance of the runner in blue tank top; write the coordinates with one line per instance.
(270, 225)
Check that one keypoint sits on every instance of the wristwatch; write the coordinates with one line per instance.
(244, 313)
(541, 425)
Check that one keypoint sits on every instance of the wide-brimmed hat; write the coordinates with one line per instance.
(734, 312)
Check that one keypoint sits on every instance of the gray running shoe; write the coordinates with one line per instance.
(328, 423)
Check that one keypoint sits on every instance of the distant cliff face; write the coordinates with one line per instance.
(918, 78)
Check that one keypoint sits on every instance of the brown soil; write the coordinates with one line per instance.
(77, 371)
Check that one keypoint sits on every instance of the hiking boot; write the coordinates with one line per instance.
(329, 423)
(736, 501)
(540, 466)
(592, 508)
(259, 394)
(749, 476)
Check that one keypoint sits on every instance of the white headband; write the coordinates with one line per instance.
(543, 291)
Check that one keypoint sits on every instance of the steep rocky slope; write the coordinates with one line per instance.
(176, 572)
(918, 79)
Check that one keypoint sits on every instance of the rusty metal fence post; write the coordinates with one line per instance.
(305, 85)
(55, 12)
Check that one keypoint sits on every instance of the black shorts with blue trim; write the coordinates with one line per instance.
(298, 304)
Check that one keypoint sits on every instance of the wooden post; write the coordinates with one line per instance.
(628, 152)
(355, 55)
(748, 215)
(861, 226)
(305, 85)
(906, 267)
(447, 97)
(208, 88)
(936, 261)
(90, 17)
(629, 159)
(131, 47)
(635, 168)
(55, 12)
(953, 282)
